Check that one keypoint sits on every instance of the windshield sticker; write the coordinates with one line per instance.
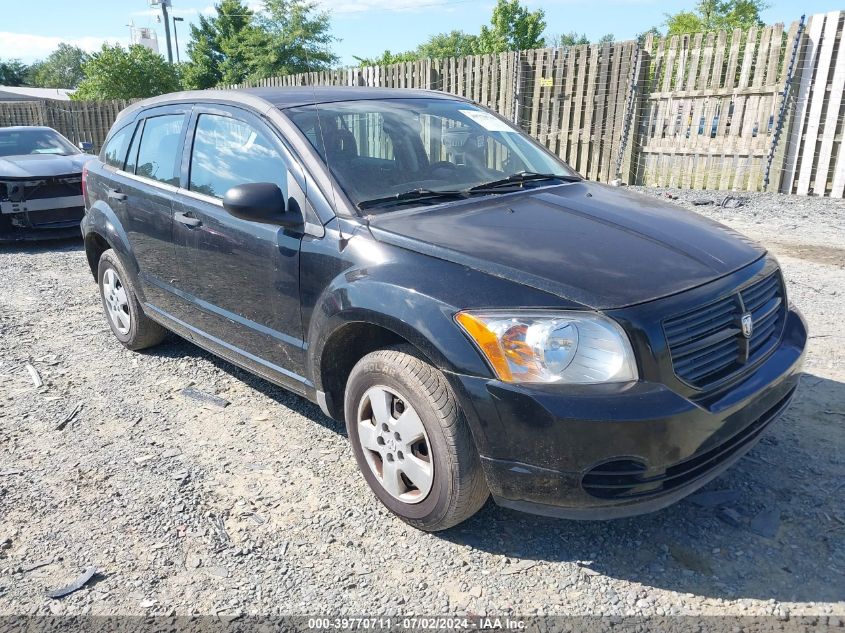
(487, 121)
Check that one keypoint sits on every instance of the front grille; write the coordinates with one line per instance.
(629, 479)
(707, 344)
(39, 188)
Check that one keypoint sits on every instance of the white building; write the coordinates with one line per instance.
(21, 93)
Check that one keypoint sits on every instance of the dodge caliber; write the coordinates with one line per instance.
(484, 320)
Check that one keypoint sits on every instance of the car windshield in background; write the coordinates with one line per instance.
(420, 151)
(24, 142)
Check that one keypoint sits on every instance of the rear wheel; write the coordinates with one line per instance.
(411, 441)
(123, 311)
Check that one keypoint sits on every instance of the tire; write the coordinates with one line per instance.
(136, 330)
(447, 483)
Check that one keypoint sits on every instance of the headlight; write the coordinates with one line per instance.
(565, 347)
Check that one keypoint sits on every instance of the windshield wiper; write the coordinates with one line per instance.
(494, 186)
(413, 195)
(517, 180)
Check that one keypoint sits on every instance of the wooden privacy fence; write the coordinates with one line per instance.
(815, 157)
(77, 120)
(709, 109)
(751, 110)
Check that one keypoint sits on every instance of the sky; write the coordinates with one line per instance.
(365, 28)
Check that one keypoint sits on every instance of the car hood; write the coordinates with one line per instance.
(603, 247)
(41, 165)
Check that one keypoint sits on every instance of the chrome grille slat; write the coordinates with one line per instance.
(706, 343)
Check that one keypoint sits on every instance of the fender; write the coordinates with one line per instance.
(393, 297)
(425, 322)
(102, 220)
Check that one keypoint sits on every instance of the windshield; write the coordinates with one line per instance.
(383, 149)
(21, 142)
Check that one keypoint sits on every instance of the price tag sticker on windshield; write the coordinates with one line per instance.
(487, 121)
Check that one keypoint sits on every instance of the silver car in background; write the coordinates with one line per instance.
(40, 184)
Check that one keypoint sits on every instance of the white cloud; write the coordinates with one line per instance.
(360, 6)
(29, 47)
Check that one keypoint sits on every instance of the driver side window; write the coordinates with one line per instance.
(228, 152)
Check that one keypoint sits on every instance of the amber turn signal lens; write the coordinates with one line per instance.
(488, 342)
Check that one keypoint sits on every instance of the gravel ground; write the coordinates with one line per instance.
(258, 507)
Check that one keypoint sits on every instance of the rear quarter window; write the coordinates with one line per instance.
(158, 151)
(114, 151)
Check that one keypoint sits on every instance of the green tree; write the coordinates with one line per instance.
(218, 49)
(715, 15)
(607, 38)
(451, 44)
(387, 58)
(439, 46)
(13, 72)
(295, 37)
(61, 69)
(117, 73)
(512, 27)
(573, 38)
(656, 32)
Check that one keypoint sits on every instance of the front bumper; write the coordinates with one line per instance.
(608, 451)
(62, 223)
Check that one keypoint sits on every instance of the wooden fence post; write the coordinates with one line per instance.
(785, 116)
(631, 133)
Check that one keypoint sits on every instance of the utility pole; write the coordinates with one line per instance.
(165, 4)
(176, 37)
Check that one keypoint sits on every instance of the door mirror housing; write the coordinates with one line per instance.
(260, 202)
(86, 146)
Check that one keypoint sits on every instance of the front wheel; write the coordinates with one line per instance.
(411, 441)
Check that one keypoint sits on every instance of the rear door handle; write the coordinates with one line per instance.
(115, 194)
(187, 219)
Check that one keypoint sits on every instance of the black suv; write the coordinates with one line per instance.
(482, 318)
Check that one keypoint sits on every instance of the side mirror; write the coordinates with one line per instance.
(260, 202)
(86, 146)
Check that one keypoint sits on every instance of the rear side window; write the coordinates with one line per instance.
(114, 152)
(228, 152)
(157, 153)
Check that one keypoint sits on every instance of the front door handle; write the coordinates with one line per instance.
(115, 194)
(187, 219)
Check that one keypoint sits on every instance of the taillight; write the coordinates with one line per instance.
(85, 184)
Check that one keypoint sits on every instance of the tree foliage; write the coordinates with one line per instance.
(715, 15)
(451, 44)
(573, 38)
(656, 32)
(13, 72)
(439, 46)
(512, 27)
(219, 47)
(386, 58)
(61, 69)
(237, 44)
(298, 39)
(118, 73)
